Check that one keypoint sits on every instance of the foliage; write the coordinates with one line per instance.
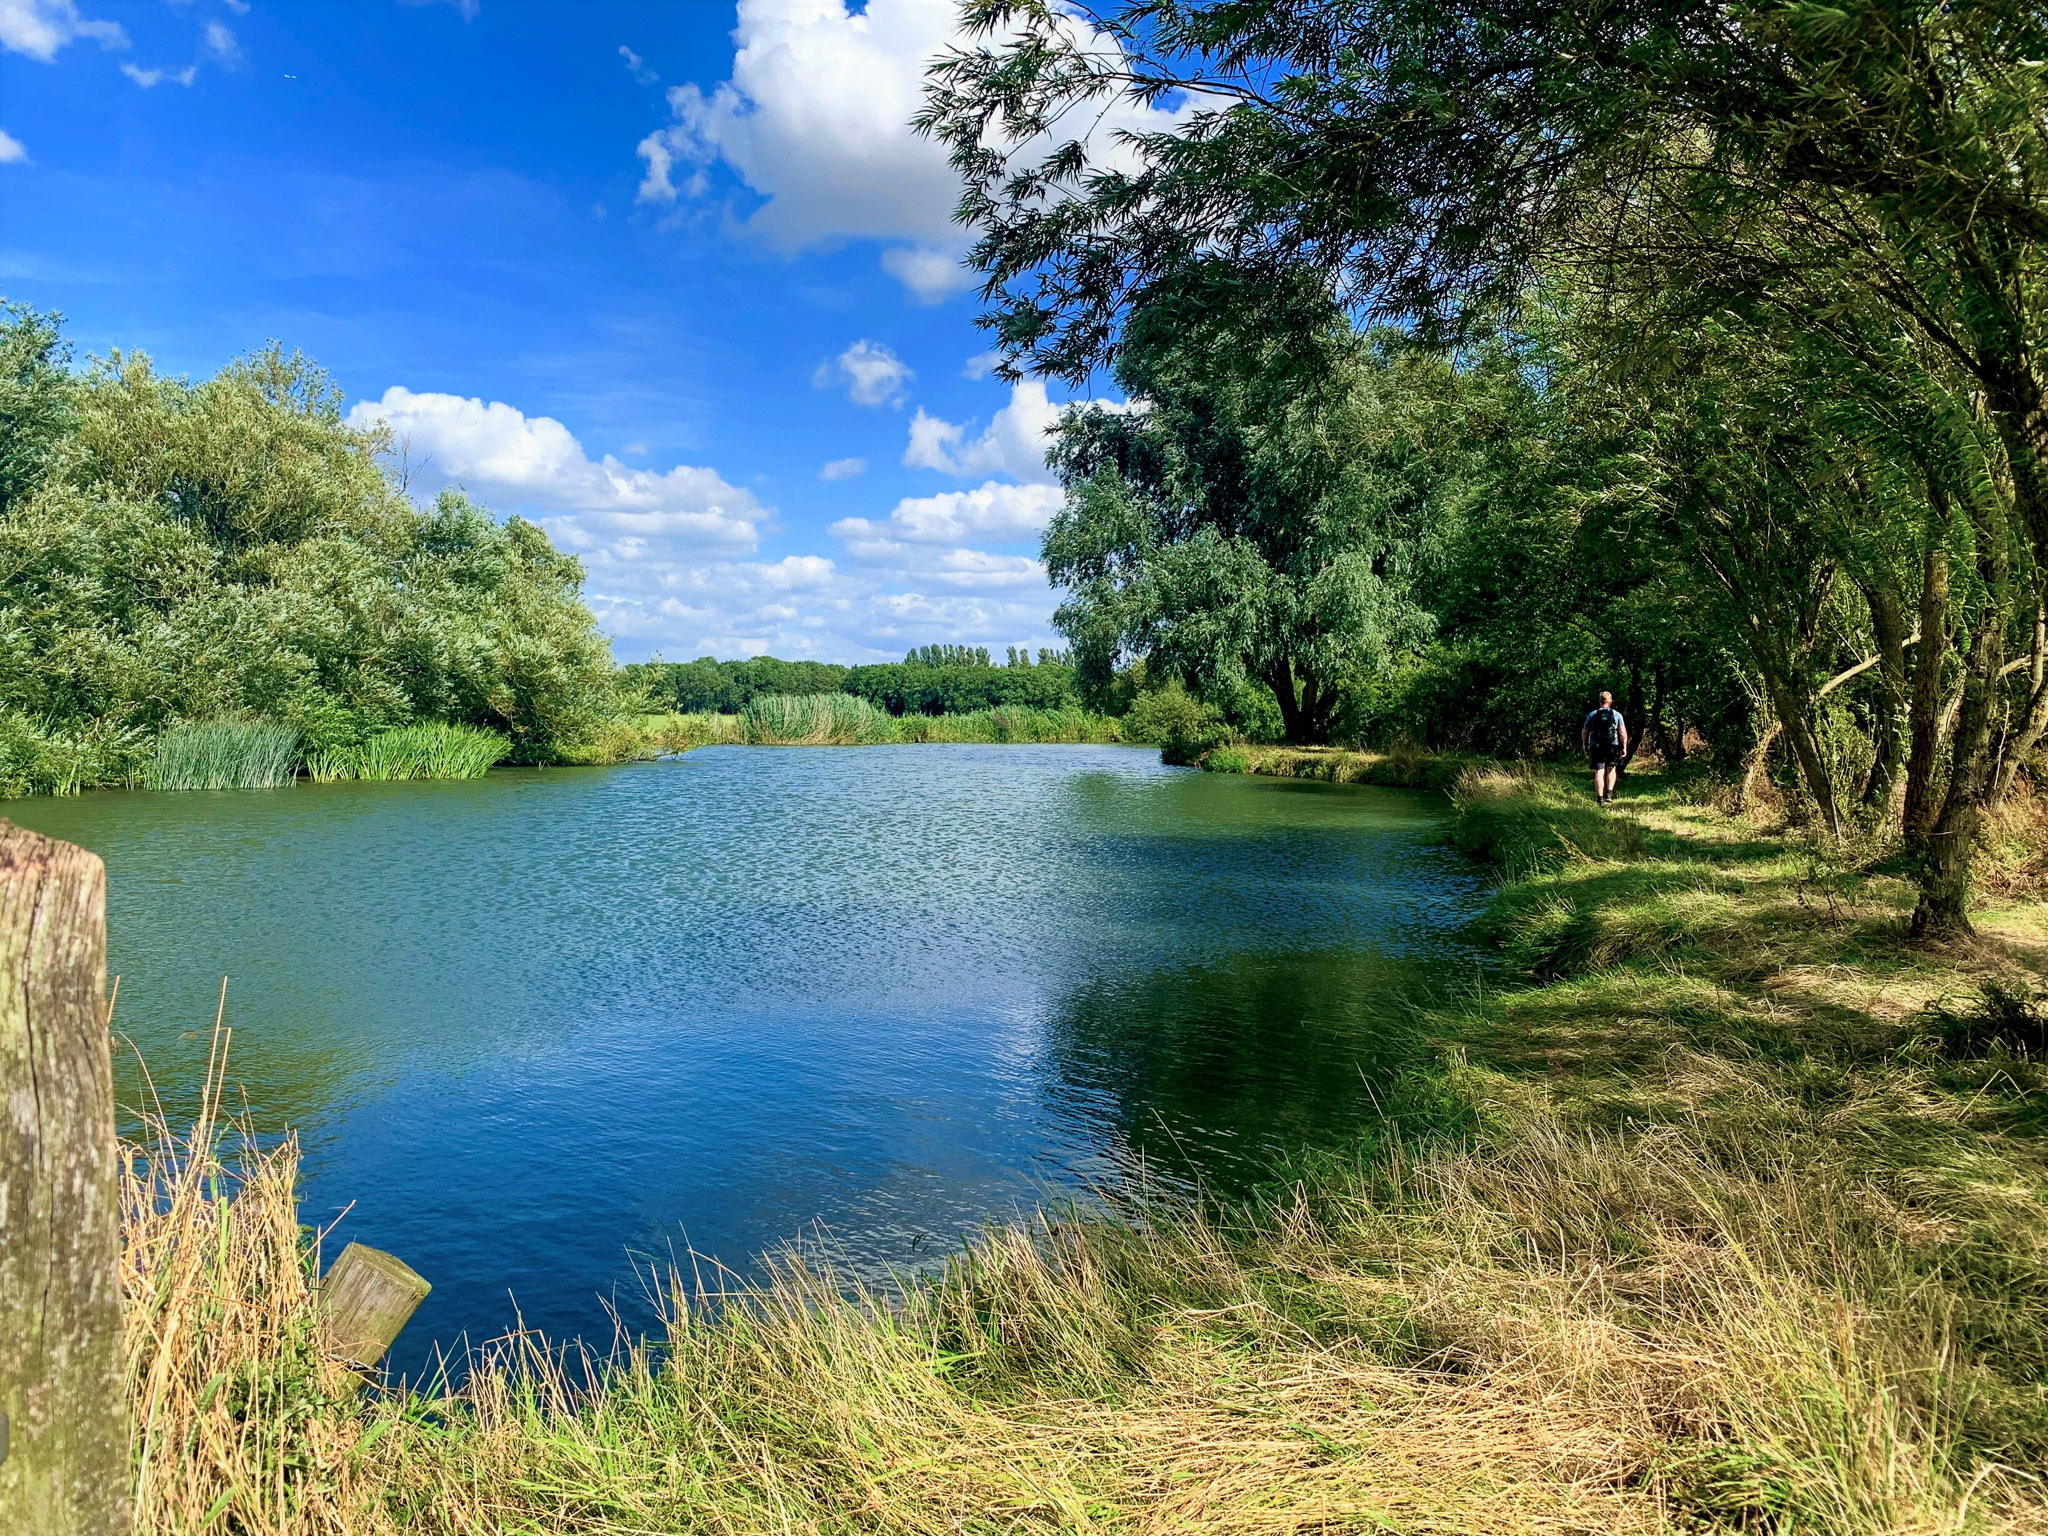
(196, 551)
(37, 758)
(710, 686)
(1773, 281)
(224, 754)
(951, 688)
(431, 751)
(1174, 720)
(936, 680)
(1254, 524)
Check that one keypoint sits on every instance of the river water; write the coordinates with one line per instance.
(531, 1027)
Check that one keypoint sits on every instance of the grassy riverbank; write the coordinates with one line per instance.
(1723, 1208)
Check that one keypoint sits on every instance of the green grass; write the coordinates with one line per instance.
(224, 754)
(814, 720)
(433, 750)
(1719, 1207)
(841, 719)
(1012, 724)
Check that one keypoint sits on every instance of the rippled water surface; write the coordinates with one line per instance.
(531, 1026)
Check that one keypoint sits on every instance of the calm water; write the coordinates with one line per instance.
(531, 1026)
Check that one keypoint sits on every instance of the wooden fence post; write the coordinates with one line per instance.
(61, 1389)
(367, 1297)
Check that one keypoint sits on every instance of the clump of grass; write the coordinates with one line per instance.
(1011, 723)
(240, 1422)
(431, 750)
(815, 720)
(224, 754)
(2004, 1016)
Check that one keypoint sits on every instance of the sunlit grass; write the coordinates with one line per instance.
(224, 754)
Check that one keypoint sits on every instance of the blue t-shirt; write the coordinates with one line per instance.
(1594, 737)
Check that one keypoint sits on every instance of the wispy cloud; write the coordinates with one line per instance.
(149, 78)
(39, 28)
(637, 66)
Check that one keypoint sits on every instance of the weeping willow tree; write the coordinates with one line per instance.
(1251, 521)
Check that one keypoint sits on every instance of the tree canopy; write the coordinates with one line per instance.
(175, 550)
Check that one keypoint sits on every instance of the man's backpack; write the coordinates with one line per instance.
(1605, 729)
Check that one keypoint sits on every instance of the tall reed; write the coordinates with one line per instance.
(430, 750)
(815, 720)
(224, 754)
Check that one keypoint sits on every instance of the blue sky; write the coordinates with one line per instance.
(674, 279)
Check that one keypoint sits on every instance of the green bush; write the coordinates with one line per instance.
(225, 754)
(233, 549)
(431, 751)
(37, 758)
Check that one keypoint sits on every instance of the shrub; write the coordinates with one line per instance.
(40, 758)
(225, 754)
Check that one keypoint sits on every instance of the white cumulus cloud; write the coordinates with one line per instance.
(993, 513)
(843, 469)
(39, 28)
(12, 151)
(815, 120)
(1013, 443)
(534, 462)
(870, 371)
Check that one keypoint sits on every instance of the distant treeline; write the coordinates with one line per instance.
(934, 680)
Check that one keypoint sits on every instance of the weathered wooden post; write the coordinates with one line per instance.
(66, 1467)
(367, 1297)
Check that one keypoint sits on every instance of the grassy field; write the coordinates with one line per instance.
(1719, 1208)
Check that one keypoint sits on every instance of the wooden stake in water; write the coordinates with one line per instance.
(367, 1297)
(65, 1471)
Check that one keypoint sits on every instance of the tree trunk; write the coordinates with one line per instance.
(66, 1471)
(1924, 719)
(1281, 681)
(1753, 764)
(1888, 624)
(2026, 734)
(1945, 853)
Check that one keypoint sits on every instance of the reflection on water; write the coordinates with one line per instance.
(1211, 1074)
(529, 1024)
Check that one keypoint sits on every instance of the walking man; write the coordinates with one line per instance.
(1604, 736)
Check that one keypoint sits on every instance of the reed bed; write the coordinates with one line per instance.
(224, 754)
(841, 719)
(1012, 724)
(430, 750)
(814, 720)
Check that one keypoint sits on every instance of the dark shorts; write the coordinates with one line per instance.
(1606, 757)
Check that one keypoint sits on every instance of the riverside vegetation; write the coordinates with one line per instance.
(1722, 1206)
